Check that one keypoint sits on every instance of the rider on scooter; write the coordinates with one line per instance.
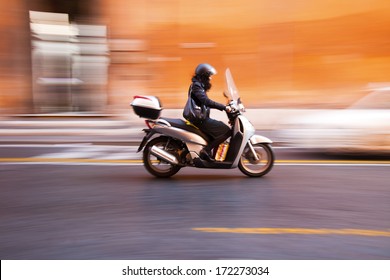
(217, 130)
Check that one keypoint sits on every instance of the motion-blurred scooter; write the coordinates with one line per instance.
(170, 144)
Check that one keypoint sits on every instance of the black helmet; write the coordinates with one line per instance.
(205, 69)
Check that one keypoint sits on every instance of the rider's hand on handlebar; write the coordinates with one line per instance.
(228, 109)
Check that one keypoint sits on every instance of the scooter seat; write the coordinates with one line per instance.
(179, 123)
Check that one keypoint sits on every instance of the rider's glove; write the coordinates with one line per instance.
(228, 109)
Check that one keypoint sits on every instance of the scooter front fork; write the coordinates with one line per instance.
(253, 151)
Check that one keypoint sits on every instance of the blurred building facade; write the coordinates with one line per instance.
(93, 56)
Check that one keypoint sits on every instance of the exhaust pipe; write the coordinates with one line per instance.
(160, 153)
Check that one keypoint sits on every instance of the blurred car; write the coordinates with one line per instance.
(363, 127)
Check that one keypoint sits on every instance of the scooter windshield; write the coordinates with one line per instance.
(231, 89)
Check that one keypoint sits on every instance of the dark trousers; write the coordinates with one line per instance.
(217, 130)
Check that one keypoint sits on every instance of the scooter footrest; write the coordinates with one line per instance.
(198, 162)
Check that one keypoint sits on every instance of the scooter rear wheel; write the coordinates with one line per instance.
(156, 166)
(257, 168)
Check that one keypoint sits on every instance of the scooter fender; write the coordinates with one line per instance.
(255, 139)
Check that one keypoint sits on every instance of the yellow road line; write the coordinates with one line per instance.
(129, 161)
(307, 231)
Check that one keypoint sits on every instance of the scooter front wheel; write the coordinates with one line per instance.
(253, 167)
(157, 166)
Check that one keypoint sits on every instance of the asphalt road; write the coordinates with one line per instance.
(109, 207)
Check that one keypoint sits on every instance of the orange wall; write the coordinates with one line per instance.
(279, 52)
(282, 53)
(15, 67)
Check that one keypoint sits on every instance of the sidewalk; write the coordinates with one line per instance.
(123, 128)
(69, 129)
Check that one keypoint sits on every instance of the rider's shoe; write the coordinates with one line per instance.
(206, 156)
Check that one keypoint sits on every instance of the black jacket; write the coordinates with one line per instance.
(200, 96)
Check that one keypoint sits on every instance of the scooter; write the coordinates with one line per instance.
(171, 144)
